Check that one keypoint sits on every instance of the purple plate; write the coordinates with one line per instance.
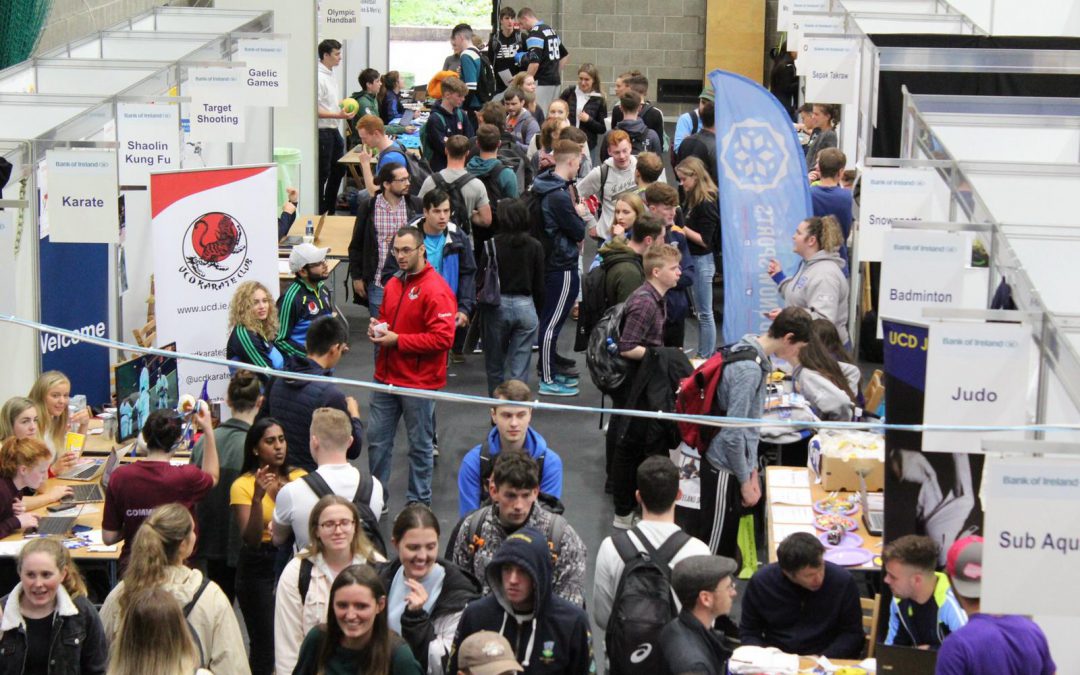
(851, 510)
(849, 557)
(850, 540)
(848, 524)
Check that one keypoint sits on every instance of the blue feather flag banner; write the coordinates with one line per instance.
(764, 195)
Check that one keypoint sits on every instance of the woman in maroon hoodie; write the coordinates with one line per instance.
(24, 463)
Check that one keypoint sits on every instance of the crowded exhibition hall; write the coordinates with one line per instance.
(630, 337)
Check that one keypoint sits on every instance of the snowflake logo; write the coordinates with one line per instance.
(754, 156)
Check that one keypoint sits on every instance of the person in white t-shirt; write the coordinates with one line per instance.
(658, 490)
(331, 142)
(331, 435)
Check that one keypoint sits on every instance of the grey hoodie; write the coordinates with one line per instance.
(830, 402)
(821, 288)
(741, 394)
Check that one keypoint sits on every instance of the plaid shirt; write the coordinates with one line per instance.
(643, 319)
(388, 220)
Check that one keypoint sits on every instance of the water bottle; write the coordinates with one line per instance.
(612, 347)
(309, 232)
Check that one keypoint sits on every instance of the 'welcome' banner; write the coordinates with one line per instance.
(764, 195)
(213, 230)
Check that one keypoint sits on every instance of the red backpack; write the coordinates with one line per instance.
(697, 395)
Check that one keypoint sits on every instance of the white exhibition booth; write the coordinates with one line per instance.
(124, 67)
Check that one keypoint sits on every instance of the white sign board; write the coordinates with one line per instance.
(7, 261)
(373, 12)
(265, 80)
(149, 138)
(1032, 529)
(976, 373)
(785, 8)
(339, 19)
(831, 68)
(213, 230)
(921, 268)
(917, 195)
(217, 110)
(803, 24)
(82, 196)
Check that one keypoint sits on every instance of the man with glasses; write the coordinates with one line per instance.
(705, 586)
(414, 330)
(378, 218)
(331, 435)
(306, 299)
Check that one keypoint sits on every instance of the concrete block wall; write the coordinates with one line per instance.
(72, 19)
(661, 38)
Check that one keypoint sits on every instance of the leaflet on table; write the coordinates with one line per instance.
(788, 478)
(801, 515)
(789, 495)
(782, 531)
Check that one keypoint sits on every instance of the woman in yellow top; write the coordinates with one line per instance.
(51, 394)
(262, 475)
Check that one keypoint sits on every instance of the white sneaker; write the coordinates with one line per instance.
(624, 522)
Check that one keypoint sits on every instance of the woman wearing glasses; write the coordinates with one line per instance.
(138, 488)
(337, 541)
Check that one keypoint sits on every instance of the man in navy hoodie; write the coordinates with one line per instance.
(549, 634)
(511, 432)
(565, 228)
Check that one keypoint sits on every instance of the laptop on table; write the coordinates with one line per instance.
(95, 492)
(873, 519)
(86, 471)
(905, 660)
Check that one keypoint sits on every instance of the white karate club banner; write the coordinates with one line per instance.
(213, 229)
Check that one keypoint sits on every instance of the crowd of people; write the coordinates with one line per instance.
(481, 239)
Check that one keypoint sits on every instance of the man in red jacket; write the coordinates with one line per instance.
(414, 331)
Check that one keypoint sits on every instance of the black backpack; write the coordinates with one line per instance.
(594, 302)
(495, 193)
(418, 168)
(475, 520)
(460, 214)
(607, 368)
(362, 500)
(548, 502)
(515, 159)
(643, 604)
(485, 80)
(537, 225)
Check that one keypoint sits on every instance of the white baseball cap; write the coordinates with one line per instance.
(306, 254)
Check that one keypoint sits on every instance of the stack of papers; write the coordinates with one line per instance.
(763, 661)
(796, 478)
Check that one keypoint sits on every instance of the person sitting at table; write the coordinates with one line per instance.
(819, 378)
(288, 213)
(264, 473)
(164, 541)
(803, 604)
(51, 394)
(306, 299)
(19, 419)
(24, 463)
(49, 625)
(156, 638)
(924, 610)
(137, 489)
(819, 285)
(253, 320)
(390, 97)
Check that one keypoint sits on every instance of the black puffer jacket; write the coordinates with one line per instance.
(292, 402)
(77, 645)
(421, 629)
(595, 108)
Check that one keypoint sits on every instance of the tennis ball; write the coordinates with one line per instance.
(349, 105)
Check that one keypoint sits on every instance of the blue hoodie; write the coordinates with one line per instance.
(469, 496)
(553, 637)
(561, 220)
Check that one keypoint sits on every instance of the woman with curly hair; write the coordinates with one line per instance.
(253, 320)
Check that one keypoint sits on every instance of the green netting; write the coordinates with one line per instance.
(20, 28)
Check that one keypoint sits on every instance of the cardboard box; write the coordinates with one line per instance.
(838, 475)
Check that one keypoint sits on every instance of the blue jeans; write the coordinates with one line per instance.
(374, 301)
(705, 268)
(385, 411)
(509, 334)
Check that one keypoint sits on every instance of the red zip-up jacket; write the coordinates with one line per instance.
(420, 308)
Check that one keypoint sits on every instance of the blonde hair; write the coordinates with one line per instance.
(634, 201)
(18, 452)
(360, 544)
(242, 310)
(156, 547)
(827, 232)
(52, 428)
(13, 407)
(154, 638)
(52, 546)
(529, 97)
(332, 427)
(704, 189)
(658, 255)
